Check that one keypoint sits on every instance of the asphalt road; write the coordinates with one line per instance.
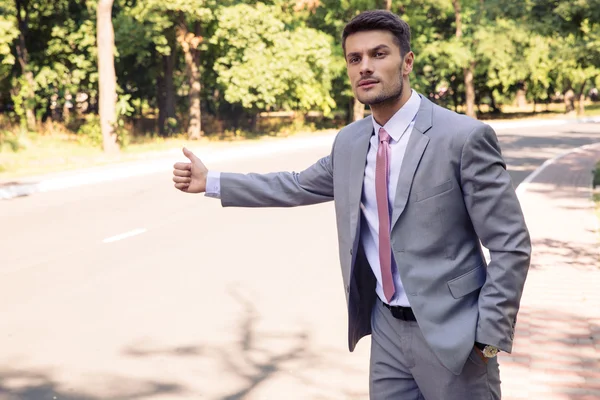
(133, 290)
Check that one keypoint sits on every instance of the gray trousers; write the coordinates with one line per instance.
(403, 367)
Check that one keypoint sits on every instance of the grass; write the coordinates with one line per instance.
(60, 150)
(41, 154)
(554, 110)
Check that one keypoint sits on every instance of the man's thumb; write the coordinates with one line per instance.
(191, 156)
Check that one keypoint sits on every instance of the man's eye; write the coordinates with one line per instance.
(353, 60)
(379, 54)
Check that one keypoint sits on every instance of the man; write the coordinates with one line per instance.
(416, 187)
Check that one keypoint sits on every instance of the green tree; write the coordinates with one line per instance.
(145, 40)
(188, 18)
(8, 33)
(264, 65)
(573, 28)
(60, 55)
(330, 17)
(25, 97)
(107, 81)
(68, 69)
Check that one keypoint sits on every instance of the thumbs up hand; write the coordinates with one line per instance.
(190, 177)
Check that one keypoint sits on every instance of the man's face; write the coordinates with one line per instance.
(376, 67)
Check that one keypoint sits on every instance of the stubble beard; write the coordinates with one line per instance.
(385, 97)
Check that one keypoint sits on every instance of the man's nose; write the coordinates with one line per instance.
(366, 67)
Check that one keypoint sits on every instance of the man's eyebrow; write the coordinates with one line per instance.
(380, 47)
(374, 49)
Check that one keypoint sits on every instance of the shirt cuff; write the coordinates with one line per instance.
(213, 185)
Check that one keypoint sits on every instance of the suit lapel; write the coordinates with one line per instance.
(415, 148)
(358, 162)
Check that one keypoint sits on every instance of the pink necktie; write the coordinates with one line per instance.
(382, 172)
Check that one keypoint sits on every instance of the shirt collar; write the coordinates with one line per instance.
(396, 126)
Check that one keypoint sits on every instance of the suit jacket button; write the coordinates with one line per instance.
(347, 288)
(350, 251)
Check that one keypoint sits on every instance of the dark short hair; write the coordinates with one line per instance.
(380, 20)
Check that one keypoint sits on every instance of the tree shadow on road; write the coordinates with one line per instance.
(555, 353)
(581, 256)
(17, 384)
(259, 355)
(253, 362)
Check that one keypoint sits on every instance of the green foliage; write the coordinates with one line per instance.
(271, 55)
(124, 110)
(19, 95)
(573, 30)
(89, 132)
(265, 66)
(70, 63)
(9, 140)
(596, 176)
(8, 33)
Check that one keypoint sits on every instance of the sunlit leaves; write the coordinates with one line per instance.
(266, 66)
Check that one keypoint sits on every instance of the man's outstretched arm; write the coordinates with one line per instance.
(281, 189)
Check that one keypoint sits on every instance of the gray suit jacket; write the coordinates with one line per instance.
(453, 191)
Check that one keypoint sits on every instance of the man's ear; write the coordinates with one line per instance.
(408, 63)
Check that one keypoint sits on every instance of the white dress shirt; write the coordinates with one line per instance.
(399, 127)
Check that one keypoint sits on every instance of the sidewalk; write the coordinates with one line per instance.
(556, 352)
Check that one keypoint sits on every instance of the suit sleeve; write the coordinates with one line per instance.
(498, 221)
(279, 189)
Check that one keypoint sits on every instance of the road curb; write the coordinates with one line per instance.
(94, 175)
(522, 188)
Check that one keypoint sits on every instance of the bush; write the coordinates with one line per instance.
(11, 140)
(596, 173)
(90, 132)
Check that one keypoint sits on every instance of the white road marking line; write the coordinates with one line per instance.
(522, 188)
(124, 235)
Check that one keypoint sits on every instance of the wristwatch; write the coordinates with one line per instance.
(487, 350)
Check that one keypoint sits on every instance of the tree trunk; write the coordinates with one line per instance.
(457, 18)
(521, 100)
(107, 80)
(161, 103)
(581, 98)
(454, 92)
(166, 88)
(495, 108)
(29, 102)
(386, 4)
(358, 111)
(470, 89)
(23, 57)
(189, 43)
(469, 71)
(169, 68)
(581, 107)
(67, 106)
(254, 121)
(569, 101)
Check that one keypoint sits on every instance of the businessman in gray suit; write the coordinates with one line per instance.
(416, 189)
